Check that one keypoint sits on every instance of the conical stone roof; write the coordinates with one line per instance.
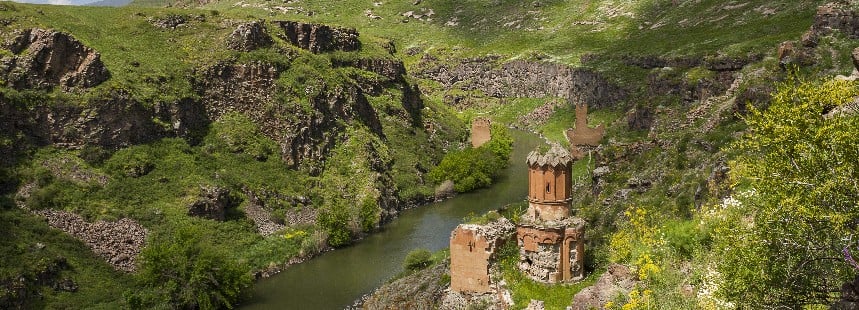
(555, 156)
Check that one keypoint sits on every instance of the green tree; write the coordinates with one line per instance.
(182, 269)
(781, 246)
(474, 168)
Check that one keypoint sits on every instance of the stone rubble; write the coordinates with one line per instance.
(117, 242)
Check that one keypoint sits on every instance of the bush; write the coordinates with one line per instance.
(417, 259)
(130, 162)
(335, 221)
(475, 168)
(780, 243)
(236, 133)
(182, 269)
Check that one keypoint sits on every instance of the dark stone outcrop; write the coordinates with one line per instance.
(652, 61)
(212, 203)
(171, 21)
(392, 69)
(19, 289)
(248, 37)
(758, 96)
(640, 118)
(318, 38)
(46, 58)
(672, 82)
(832, 17)
(516, 79)
(856, 58)
(112, 121)
(849, 296)
(791, 54)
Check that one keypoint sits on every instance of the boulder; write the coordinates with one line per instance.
(248, 37)
(46, 58)
(211, 203)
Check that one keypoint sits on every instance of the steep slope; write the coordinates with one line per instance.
(186, 121)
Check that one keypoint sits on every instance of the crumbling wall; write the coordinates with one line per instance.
(552, 254)
(472, 250)
(480, 132)
(582, 134)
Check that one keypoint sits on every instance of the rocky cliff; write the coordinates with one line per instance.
(44, 59)
(517, 79)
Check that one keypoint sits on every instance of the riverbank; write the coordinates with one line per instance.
(338, 278)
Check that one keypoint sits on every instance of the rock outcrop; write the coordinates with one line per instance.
(112, 121)
(421, 290)
(17, 289)
(248, 37)
(212, 203)
(310, 132)
(835, 17)
(516, 79)
(618, 280)
(856, 58)
(46, 58)
(119, 243)
(318, 38)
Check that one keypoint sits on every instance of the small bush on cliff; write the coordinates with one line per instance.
(236, 133)
(417, 259)
(182, 269)
(131, 163)
(475, 168)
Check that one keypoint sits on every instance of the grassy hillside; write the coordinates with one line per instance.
(652, 210)
(560, 30)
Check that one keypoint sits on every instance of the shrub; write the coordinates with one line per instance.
(475, 168)
(130, 162)
(417, 259)
(182, 269)
(236, 133)
(335, 221)
(781, 242)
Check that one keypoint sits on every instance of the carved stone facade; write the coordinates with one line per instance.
(480, 132)
(552, 253)
(551, 242)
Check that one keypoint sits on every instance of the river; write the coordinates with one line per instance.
(336, 279)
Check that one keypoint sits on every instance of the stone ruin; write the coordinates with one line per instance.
(583, 137)
(472, 249)
(551, 241)
(480, 131)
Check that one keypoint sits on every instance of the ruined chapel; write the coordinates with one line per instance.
(549, 237)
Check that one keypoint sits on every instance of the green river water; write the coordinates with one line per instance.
(336, 279)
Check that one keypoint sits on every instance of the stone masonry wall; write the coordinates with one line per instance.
(480, 133)
(472, 249)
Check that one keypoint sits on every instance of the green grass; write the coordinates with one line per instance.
(523, 289)
(100, 287)
(561, 30)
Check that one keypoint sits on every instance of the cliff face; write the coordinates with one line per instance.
(46, 58)
(518, 79)
(305, 132)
